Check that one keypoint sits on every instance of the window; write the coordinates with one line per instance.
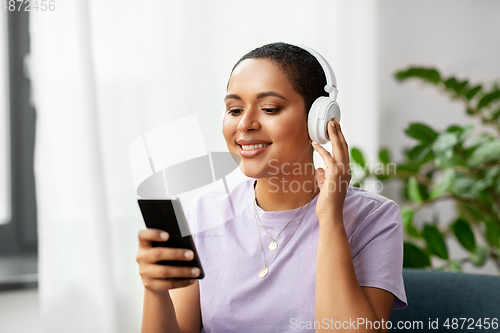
(18, 225)
(5, 214)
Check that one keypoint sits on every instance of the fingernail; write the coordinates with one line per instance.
(336, 120)
(331, 123)
(195, 271)
(314, 143)
(164, 235)
(189, 254)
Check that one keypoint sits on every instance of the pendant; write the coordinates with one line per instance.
(263, 272)
(273, 246)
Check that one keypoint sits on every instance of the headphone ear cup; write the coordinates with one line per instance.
(322, 111)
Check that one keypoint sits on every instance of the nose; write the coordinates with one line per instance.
(249, 121)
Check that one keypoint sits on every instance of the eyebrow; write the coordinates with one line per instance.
(259, 95)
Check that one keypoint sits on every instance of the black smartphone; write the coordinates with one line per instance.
(167, 215)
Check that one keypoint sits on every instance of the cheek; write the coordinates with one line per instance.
(229, 127)
(292, 131)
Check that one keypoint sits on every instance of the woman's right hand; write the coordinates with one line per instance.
(159, 278)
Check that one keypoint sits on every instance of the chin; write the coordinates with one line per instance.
(253, 171)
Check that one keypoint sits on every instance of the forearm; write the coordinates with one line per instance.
(158, 313)
(338, 294)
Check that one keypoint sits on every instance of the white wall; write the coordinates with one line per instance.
(459, 37)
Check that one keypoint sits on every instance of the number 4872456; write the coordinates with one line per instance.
(471, 323)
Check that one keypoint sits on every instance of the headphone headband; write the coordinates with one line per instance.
(331, 81)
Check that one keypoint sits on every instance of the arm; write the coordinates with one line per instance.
(339, 296)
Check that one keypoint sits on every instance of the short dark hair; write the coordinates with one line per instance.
(302, 69)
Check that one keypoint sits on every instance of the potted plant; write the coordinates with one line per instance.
(459, 163)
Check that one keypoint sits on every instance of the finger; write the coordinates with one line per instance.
(342, 138)
(165, 284)
(146, 236)
(156, 254)
(169, 272)
(325, 154)
(337, 148)
(320, 176)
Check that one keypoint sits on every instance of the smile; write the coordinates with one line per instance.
(251, 147)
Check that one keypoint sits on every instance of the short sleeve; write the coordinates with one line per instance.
(377, 249)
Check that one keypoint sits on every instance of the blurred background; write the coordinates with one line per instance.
(80, 80)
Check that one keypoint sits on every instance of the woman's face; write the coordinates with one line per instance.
(265, 121)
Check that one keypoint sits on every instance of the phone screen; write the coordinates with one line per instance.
(167, 215)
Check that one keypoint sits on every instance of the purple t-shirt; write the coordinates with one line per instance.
(235, 298)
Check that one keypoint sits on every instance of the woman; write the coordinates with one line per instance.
(289, 258)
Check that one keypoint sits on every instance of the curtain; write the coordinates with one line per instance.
(104, 72)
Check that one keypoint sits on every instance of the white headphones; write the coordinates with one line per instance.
(324, 108)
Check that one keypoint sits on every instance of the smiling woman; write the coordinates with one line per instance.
(304, 247)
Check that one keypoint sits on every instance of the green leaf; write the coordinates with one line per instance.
(492, 233)
(406, 168)
(463, 183)
(471, 93)
(492, 173)
(454, 266)
(435, 241)
(407, 217)
(477, 141)
(421, 132)
(443, 146)
(476, 213)
(418, 153)
(384, 156)
(461, 132)
(455, 85)
(459, 87)
(444, 162)
(450, 83)
(479, 186)
(485, 153)
(479, 256)
(357, 156)
(444, 184)
(467, 130)
(455, 129)
(426, 74)
(463, 232)
(414, 190)
(488, 99)
(413, 257)
(495, 114)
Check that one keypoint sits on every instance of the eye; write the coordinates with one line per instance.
(235, 112)
(271, 110)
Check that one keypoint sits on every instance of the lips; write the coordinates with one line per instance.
(250, 147)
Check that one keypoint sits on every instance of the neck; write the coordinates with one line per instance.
(284, 191)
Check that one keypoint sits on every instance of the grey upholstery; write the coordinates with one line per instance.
(440, 295)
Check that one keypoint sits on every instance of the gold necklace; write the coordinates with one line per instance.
(264, 271)
(274, 245)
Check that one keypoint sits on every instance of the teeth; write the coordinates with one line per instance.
(250, 147)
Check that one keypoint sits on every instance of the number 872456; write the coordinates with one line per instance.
(28, 5)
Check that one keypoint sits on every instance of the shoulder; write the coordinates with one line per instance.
(366, 203)
(365, 210)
